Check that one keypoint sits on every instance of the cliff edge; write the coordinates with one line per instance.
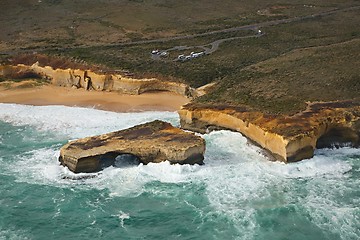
(288, 138)
(95, 80)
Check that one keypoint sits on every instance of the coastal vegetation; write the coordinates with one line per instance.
(309, 59)
(284, 74)
(283, 84)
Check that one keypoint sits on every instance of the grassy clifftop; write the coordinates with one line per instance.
(283, 84)
(312, 59)
(33, 23)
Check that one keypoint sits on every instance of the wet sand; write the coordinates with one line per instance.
(111, 101)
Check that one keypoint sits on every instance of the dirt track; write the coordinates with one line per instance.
(227, 30)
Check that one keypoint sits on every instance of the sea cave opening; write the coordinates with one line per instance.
(338, 137)
(118, 160)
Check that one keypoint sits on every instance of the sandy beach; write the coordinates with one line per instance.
(111, 101)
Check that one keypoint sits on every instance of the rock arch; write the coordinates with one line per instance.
(115, 158)
(287, 138)
(155, 141)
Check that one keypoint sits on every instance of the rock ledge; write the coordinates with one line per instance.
(287, 138)
(155, 141)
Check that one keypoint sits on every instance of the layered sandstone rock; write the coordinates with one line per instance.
(17, 71)
(96, 81)
(155, 141)
(288, 138)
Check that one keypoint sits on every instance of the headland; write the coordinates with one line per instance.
(291, 87)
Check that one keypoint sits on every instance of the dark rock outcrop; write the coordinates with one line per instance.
(155, 141)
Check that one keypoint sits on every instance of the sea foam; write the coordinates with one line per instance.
(239, 180)
(77, 122)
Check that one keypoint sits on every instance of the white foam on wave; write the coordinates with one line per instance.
(332, 209)
(77, 122)
(239, 179)
(317, 166)
(235, 178)
(41, 166)
(332, 200)
(122, 217)
(12, 234)
(38, 166)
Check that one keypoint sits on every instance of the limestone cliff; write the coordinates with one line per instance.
(96, 81)
(288, 138)
(155, 141)
(17, 71)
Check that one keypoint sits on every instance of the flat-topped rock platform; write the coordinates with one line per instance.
(288, 138)
(155, 141)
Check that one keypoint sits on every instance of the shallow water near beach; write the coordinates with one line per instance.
(236, 194)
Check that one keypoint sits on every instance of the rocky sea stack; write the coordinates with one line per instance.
(155, 141)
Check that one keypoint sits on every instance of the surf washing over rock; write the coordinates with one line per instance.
(151, 142)
(286, 138)
(236, 194)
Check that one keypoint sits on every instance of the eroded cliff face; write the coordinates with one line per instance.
(155, 141)
(95, 81)
(288, 138)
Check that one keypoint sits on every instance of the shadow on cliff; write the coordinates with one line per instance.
(339, 137)
(118, 160)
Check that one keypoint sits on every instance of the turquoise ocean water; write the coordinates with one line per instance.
(237, 194)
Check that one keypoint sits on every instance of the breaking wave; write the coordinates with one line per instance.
(239, 181)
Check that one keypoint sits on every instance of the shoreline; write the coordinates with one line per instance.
(110, 101)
